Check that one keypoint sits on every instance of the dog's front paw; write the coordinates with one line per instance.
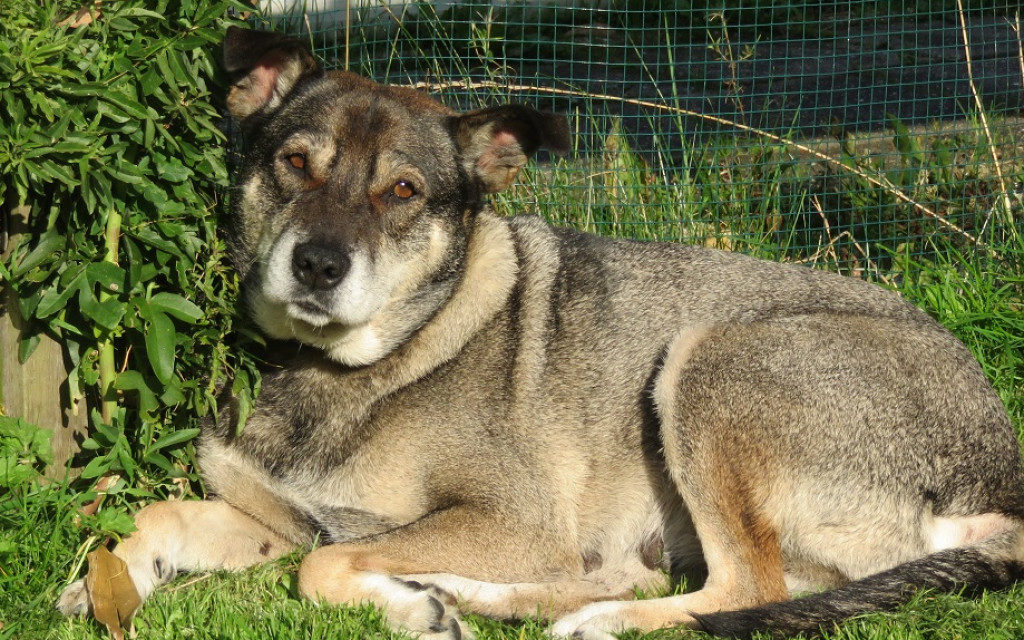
(74, 600)
(424, 611)
(598, 621)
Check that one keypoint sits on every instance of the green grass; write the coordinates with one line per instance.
(979, 297)
(759, 196)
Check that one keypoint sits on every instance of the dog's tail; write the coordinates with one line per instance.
(990, 564)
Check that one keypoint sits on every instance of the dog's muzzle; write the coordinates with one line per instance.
(319, 267)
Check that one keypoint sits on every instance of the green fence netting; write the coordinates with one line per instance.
(840, 131)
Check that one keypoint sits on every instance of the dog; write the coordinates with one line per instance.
(470, 413)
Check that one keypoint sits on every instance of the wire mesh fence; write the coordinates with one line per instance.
(836, 130)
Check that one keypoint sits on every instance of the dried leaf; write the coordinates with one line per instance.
(112, 592)
(84, 16)
(244, 15)
(101, 487)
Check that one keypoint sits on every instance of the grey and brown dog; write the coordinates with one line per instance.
(512, 419)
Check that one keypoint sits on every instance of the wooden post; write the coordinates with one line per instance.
(37, 389)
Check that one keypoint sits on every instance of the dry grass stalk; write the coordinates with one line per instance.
(1020, 49)
(984, 122)
(878, 182)
(829, 250)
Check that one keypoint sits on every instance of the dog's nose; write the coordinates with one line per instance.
(317, 266)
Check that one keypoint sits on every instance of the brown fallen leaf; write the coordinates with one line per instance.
(112, 592)
(100, 487)
(244, 15)
(84, 16)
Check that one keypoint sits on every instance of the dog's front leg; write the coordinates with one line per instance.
(458, 540)
(175, 536)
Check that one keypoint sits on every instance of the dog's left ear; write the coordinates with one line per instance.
(264, 67)
(496, 142)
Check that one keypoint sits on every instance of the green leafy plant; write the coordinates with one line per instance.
(24, 452)
(110, 139)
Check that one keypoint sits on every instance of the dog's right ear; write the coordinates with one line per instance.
(264, 67)
(495, 142)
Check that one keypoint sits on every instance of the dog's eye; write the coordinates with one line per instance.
(403, 190)
(297, 161)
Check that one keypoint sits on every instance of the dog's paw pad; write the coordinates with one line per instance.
(427, 612)
(449, 627)
(74, 600)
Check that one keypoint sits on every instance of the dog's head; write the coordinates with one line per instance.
(356, 200)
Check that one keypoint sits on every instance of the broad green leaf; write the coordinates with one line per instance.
(172, 170)
(56, 172)
(165, 68)
(26, 346)
(177, 306)
(160, 460)
(126, 462)
(96, 467)
(81, 89)
(171, 439)
(172, 395)
(134, 381)
(117, 115)
(154, 194)
(115, 521)
(139, 12)
(90, 444)
(160, 346)
(121, 24)
(49, 243)
(181, 74)
(150, 237)
(151, 83)
(127, 104)
(56, 298)
(242, 389)
(123, 173)
(106, 274)
(135, 261)
(107, 313)
(108, 431)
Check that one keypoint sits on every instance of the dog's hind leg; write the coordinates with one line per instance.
(174, 536)
(724, 489)
(743, 558)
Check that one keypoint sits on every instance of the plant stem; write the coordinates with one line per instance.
(108, 368)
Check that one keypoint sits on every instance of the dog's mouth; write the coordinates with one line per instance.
(315, 315)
